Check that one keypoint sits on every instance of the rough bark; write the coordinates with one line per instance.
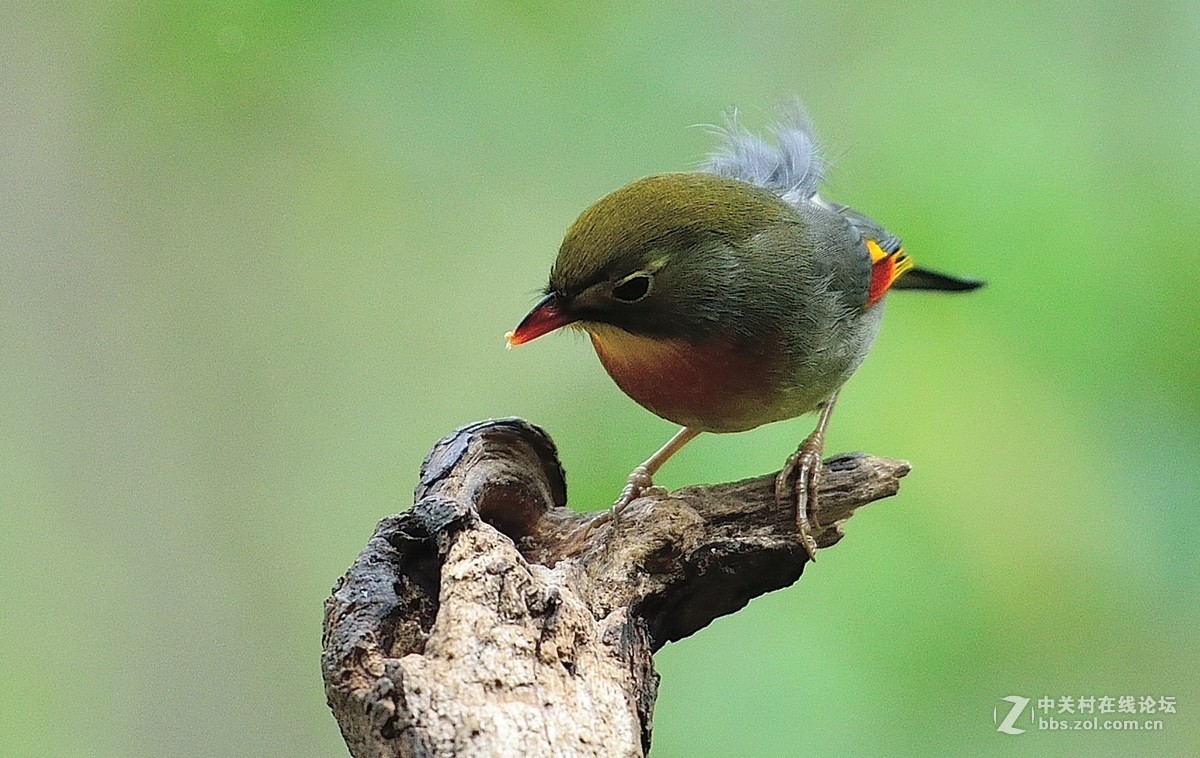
(491, 620)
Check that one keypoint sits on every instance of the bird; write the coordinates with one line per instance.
(731, 296)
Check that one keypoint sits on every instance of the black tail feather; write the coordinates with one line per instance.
(924, 279)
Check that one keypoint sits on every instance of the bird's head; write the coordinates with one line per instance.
(661, 257)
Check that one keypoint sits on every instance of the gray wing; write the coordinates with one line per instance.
(840, 249)
(866, 227)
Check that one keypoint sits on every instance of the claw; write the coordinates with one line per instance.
(638, 482)
(797, 483)
(804, 466)
(641, 478)
(636, 485)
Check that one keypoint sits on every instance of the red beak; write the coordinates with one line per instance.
(545, 317)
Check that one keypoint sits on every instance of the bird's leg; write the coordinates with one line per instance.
(799, 477)
(642, 477)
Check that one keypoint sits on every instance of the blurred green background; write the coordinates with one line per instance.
(257, 257)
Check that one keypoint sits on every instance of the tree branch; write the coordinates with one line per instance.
(491, 620)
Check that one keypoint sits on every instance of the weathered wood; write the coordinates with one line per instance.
(491, 620)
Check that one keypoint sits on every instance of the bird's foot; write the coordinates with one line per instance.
(797, 482)
(639, 483)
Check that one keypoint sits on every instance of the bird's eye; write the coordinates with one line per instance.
(632, 288)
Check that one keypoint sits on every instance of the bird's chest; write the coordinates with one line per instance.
(711, 387)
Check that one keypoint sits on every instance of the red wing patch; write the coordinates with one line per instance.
(886, 268)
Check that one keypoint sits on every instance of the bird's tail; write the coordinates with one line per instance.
(923, 279)
(893, 269)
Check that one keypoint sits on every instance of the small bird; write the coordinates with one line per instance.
(731, 297)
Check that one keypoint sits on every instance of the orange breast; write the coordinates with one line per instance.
(709, 387)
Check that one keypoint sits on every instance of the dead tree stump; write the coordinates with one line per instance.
(490, 620)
